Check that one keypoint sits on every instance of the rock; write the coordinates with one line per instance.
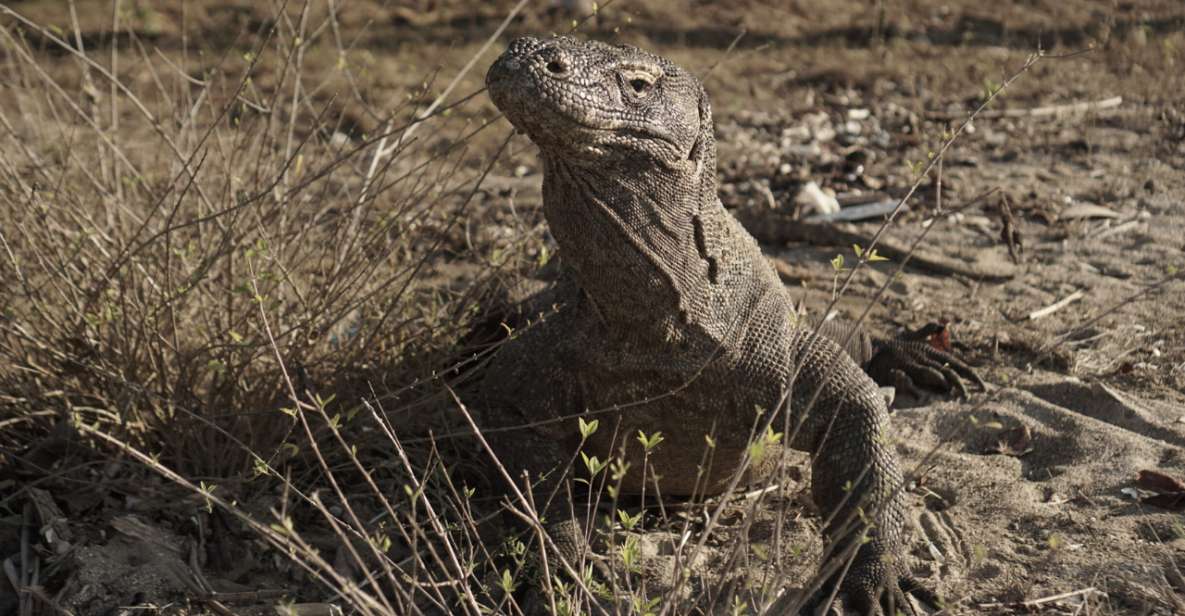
(797, 133)
(858, 212)
(811, 199)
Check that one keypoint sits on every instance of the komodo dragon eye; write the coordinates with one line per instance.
(640, 83)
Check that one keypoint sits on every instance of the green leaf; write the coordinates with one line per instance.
(587, 428)
(872, 256)
(618, 469)
(259, 466)
(649, 442)
(207, 490)
(507, 582)
(382, 542)
(757, 451)
(629, 553)
(628, 521)
(593, 464)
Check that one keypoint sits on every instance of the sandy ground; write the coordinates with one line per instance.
(1025, 492)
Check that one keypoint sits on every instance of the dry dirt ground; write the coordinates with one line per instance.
(1025, 493)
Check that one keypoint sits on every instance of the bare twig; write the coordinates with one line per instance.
(382, 150)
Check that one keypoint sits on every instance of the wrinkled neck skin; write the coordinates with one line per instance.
(627, 233)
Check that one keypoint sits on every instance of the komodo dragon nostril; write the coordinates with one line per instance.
(557, 67)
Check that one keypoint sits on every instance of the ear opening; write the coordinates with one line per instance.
(704, 139)
(703, 151)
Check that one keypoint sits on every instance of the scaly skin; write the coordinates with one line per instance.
(669, 314)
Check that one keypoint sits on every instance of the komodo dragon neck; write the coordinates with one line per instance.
(630, 238)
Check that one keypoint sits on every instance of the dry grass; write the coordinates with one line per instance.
(148, 224)
(207, 268)
(212, 272)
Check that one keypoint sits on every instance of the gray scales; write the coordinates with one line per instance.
(668, 312)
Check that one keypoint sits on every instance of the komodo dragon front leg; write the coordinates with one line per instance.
(843, 418)
(551, 374)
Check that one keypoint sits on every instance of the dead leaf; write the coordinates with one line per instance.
(935, 334)
(1009, 234)
(1159, 482)
(1014, 442)
(941, 339)
(1170, 491)
(1172, 502)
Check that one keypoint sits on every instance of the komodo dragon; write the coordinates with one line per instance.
(670, 317)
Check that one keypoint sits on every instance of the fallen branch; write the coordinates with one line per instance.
(1116, 230)
(1032, 603)
(1056, 110)
(1035, 112)
(1058, 305)
(779, 228)
(1171, 276)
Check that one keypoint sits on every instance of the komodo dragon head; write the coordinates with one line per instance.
(595, 103)
(626, 142)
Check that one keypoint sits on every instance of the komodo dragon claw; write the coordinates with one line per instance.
(911, 360)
